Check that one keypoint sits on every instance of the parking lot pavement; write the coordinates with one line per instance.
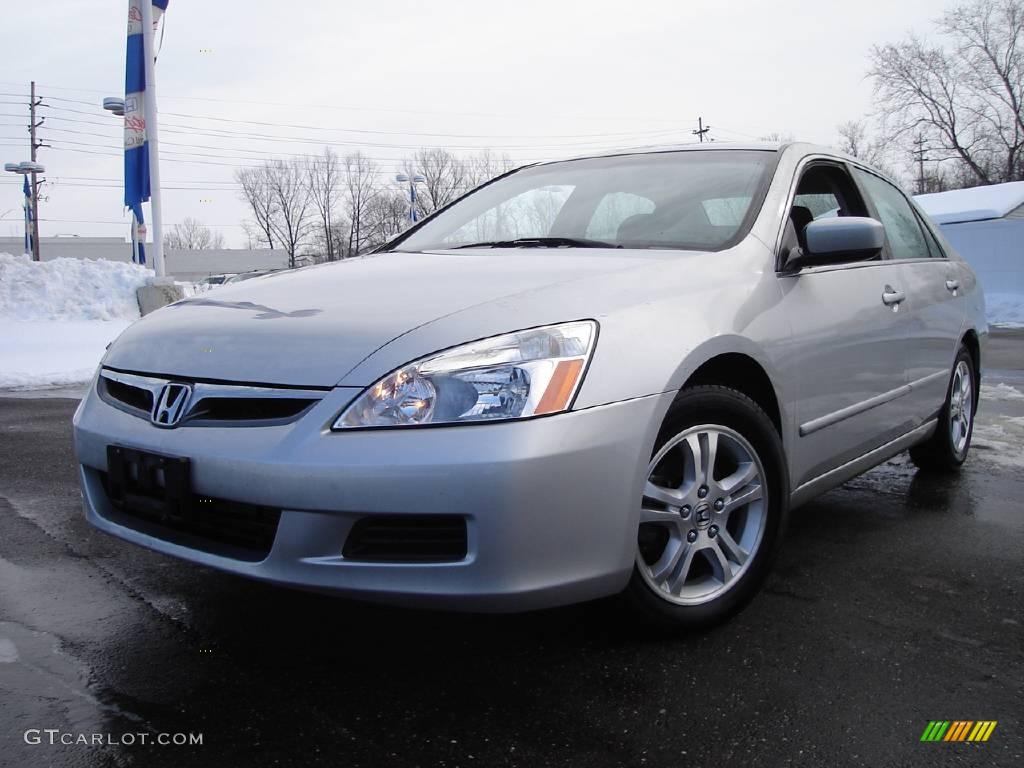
(896, 600)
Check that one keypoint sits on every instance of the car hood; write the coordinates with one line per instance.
(309, 327)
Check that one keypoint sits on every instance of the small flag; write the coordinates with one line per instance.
(138, 241)
(136, 157)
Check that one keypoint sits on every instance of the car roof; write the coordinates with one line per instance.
(711, 146)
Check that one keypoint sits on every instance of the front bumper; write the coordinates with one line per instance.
(551, 504)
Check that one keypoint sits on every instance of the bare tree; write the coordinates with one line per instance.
(324, 179)
(485, 165)
(192, 235)
(255, 190)
(254, 237)
(290, 223)
(386, 215)
(857, 140)
(445, 177)
(963, 97)
(361, 183)
(778, 137)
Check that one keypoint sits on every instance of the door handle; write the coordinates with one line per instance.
(892, 297)
(952, 285)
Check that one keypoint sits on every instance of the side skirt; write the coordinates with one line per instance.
(839, 475)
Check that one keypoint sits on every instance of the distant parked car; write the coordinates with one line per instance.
(607, 375)
(215, 280)
(242, 276)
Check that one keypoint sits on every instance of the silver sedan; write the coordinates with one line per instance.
(612, 375)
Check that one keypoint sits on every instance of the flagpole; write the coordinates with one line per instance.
(149, 104)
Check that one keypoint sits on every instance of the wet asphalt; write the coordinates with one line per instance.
(896, 600)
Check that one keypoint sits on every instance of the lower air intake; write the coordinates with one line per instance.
(407, 539)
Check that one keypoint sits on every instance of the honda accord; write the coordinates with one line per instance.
(612, 375)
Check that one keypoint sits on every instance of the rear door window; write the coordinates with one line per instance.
(902, 230)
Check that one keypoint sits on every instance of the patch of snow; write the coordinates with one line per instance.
(998, 445)
(8, 651)
(57, 317)
(1005, 309)
(40, 353)
(1001, 391)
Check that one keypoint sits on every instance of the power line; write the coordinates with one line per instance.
(292, 105)
(206, 130)
(265, 123)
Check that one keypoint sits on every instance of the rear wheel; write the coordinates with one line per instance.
(946, 450)
(712, 510)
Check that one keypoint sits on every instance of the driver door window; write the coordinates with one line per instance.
(825, 191)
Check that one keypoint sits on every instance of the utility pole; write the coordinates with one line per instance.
(919, 154)
(33, 102)
(701, 129)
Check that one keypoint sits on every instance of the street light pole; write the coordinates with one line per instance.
(25, 169)
(414, 179)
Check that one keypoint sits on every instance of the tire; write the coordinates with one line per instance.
(701, 558)
(946, 450)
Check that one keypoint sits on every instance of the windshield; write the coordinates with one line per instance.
(692, 200)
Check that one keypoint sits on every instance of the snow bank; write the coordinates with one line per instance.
(1005, 309)
(69, 289)
(57, 317)
(40, 353)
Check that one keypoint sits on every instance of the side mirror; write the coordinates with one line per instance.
(835, 240)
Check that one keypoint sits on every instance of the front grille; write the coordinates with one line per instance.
(248, 408)
(210, 404)
(407, 538)
(219, 526)
(134, 397)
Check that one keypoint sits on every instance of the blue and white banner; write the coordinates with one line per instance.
(136, 152)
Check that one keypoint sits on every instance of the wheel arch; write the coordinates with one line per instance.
(742, 372)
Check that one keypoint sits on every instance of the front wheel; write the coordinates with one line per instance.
(712, 511)
(946, 450)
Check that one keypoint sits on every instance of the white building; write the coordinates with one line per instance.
(188, 266)
(986, 226)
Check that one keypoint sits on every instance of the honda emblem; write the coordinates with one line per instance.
(171, 404)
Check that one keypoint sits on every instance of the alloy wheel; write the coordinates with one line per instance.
(961, 405)
(702, 517)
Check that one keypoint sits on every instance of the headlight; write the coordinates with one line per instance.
(527, 373)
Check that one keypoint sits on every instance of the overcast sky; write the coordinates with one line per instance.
(535, 78)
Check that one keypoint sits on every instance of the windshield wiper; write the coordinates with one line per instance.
(541, 242)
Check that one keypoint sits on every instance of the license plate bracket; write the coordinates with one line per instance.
(148, 484)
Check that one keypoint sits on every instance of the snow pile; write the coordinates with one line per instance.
(1005, 309)
(69, 289)
(57, 317)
